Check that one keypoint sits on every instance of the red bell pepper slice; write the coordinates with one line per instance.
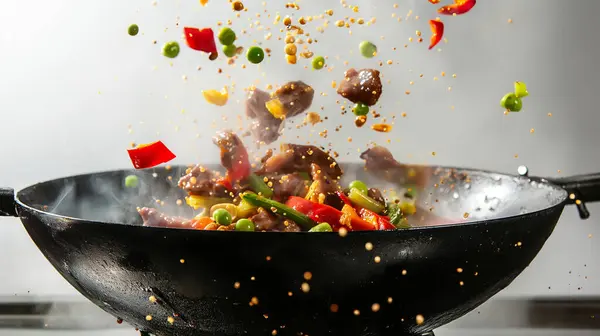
(379, 221)
(344, 198)
(437, 32)
(150, 155)
(324, 213)
(458, 7)
(200, 39)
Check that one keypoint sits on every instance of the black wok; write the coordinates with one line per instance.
(88, 228)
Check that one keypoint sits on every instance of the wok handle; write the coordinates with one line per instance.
(7, 202)
(581, 189)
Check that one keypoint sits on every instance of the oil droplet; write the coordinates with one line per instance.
(334, 308)
(236, 285)
(404, 272)
(377, 259)
(148, 317)
(375, 307)
(390, 300)
(307, 276)
(459, 270)
(356, 312)
(305, 287)
(369, 246)
(182, 261)
(420, 319)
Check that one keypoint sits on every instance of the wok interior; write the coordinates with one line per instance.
(451, 195)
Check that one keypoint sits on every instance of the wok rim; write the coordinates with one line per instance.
(561, 203)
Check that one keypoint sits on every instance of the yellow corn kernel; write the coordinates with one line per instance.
(276, 108)
(291, 59)
(408, 208)
(215, 97)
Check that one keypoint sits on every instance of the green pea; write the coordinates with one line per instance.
(133, 30)
(229, 50)
(244, 225)
(511, 102)
(255, 54)
(322, 227)
(226, 36)
(360, 186)
(367, 49)
(131, 181)
(171, 49)
(360, 109)
(521, 90)
(318, 62)
(222, 217)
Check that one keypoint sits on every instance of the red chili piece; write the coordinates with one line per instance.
(437, 32)
(150, 155)
(200, 39)
(459, 7)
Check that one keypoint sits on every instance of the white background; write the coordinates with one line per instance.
(72, 81)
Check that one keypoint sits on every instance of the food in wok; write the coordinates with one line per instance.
(298, 189)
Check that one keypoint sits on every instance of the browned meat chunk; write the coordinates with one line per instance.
(298, 158)
(363, 86)
(202, 182)
(296, 97)
(267, 221)
(153, 217)
(234, 156)
(375, 194)
(265, 128)
(286, 185)
(379, 161)
(326, 185)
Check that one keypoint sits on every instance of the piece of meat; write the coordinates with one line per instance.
(202, 182)
(362, 86)
(296, 97)
(327, 184)
(288, 226)
(234, 156)
(380, 162)
(286, 185)
(264, 127)
(298, 158)
(375, 194)
(153, 217)
(265, 220)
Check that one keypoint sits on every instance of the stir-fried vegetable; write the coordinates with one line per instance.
(364, 201)
(245, 209)
(258, 185)
(322, 227)
(244, 225)
(150, 155)
(396, 216)
(360, 186)
(437, 32)
(377, 221)
(328, 214)
(299, 218)
(197, 202)
(222, 217)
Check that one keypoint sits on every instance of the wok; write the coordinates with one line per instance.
(243, 283)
